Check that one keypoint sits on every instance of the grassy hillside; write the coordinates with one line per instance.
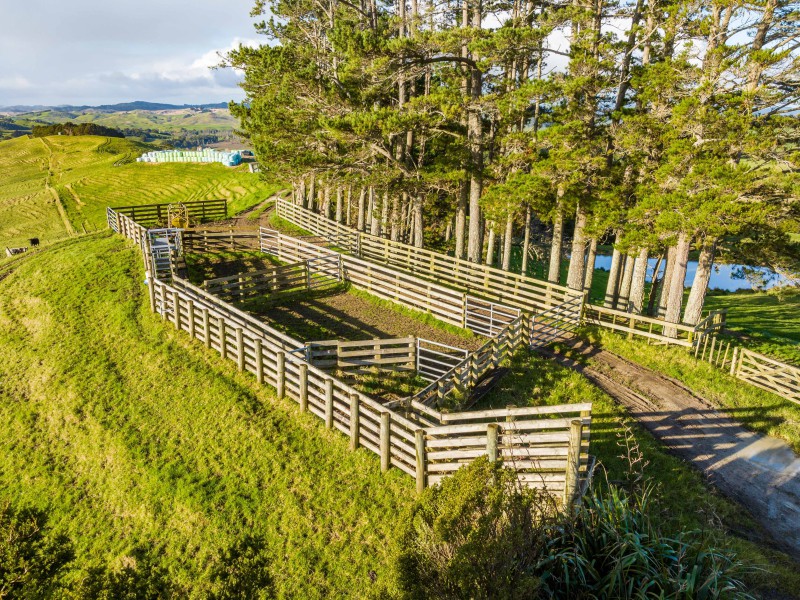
(142, 445)
(52, 186)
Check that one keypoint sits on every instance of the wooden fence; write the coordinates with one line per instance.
(284, 278)
(155, 214)
(195, 240)
(397, 354)
(494, 284)
(424, 443)
(551, 452)
(416, 444)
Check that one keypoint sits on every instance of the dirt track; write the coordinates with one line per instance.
(760, 472)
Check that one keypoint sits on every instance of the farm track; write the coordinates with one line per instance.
(759, 472)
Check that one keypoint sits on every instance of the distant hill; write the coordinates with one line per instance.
(121, 107)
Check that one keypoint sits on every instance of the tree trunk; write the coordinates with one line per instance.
(348, 208)
(312, 193)
(666, 281)
(395, 231)
(655, 285)
(490, 246)
(554, 274)
(639, 279)
(575, 275)
(697, 296)
(590, 260)
(338, 204)
(384, 212)
(418, 224)
(361, 201)
(448, 232)
(301, 193)
(507, 242)
(612, 287)
(461, 219)
(475, 138)
(675, 296)
(623, 300)
(374, 213)
(526, 243)
(326, 202)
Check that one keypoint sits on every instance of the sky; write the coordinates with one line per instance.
(107, 51)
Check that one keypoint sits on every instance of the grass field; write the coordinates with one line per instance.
(141, 443)
(52, 186)
(767, 322)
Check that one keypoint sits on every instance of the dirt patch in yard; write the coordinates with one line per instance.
(347, 316)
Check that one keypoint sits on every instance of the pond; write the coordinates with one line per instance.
(722, 276)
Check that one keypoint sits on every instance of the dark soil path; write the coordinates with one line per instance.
(760, 472)
(346, 316)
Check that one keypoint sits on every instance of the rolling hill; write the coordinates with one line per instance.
(53, 187)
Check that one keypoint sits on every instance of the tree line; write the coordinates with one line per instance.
(75, 129)
(659, 126)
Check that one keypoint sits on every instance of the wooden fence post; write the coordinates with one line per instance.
(259, 360)
(355, 421)
(240, 349)
(176, 309)
(422, 460)
(206, 328)
(491, 441)
(190, 309)
(280, 373)
(733, 360)
(303, 387)
(386, 457)
(573, 461)
(151, 292)
(223, 344)
(329, 403)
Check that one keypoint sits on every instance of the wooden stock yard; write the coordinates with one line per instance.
(546, 446)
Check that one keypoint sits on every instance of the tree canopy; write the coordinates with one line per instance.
(660, 125)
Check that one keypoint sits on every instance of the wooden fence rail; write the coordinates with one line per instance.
(196, 240)
(396, 354)
(495, 284)
(155, 214)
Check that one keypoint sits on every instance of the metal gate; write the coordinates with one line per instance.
(488, 318)
(164, 247)
(435, 359)
(556, 323)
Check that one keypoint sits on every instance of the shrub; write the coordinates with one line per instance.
(32, 559)
(479, 535)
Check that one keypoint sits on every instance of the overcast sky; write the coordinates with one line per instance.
(107, 51)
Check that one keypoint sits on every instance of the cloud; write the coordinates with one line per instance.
(97, 52)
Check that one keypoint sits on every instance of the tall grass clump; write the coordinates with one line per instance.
(481, 535)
